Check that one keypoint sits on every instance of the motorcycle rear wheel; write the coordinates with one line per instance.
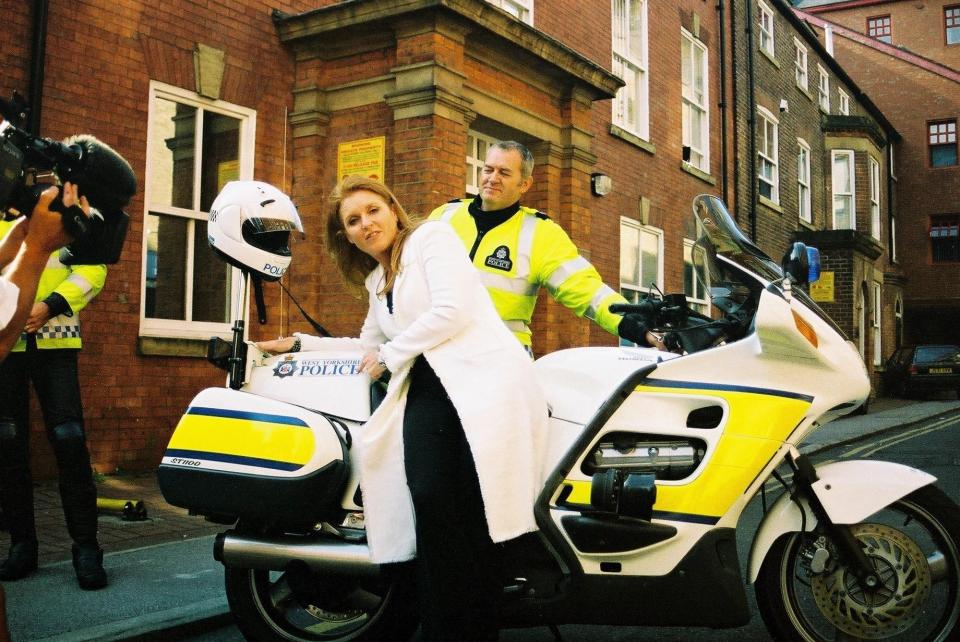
(915, 546)
(273, 606)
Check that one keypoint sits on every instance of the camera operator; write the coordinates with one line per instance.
(25, 249)
(46, 354)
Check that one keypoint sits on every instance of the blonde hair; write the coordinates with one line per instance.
(353, 263)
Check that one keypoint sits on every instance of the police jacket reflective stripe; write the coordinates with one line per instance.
(523, 253)
(77, 285)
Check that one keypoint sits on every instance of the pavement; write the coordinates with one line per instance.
(164, 582)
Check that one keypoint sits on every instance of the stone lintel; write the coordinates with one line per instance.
(317, 28)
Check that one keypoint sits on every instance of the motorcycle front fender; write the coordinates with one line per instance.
(850, 492)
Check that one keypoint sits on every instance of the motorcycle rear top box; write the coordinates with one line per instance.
(237, 455)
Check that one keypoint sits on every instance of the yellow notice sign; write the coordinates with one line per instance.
(822, 290)
(362, 157)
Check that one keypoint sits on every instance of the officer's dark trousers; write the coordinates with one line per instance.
(457, 563)
(54, 377)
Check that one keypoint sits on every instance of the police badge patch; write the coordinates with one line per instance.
(285, 369)
(500, 259)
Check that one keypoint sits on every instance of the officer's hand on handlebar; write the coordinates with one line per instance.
(633, 328)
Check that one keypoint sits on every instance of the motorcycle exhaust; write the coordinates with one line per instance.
(277, 553)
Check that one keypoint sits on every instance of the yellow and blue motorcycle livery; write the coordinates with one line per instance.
(653, 458)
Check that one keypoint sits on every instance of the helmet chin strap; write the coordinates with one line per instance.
(316, 326)
(258, 298)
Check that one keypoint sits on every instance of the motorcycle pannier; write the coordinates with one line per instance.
(236, 455)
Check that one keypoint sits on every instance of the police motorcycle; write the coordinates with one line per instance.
(653, 457)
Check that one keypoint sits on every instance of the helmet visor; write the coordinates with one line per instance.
(261, 225)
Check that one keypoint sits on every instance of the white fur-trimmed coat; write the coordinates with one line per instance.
(442, 311)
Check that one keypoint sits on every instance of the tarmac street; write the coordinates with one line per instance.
(164, 581)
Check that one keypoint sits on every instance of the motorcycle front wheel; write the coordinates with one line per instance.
(297, 605)
(914, 545)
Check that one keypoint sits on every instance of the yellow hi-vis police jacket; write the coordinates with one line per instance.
(522, 254)
(77, 284)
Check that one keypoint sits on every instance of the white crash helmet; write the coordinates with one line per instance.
(250, 225)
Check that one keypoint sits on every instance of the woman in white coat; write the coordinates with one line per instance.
(450, 461)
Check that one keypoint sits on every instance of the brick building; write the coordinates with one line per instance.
(107, 69)
(648, 95)
(910, 66)
(819, 150)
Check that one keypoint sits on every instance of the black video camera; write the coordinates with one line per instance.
(28, 164)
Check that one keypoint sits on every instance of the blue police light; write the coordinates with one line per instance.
(813, 260)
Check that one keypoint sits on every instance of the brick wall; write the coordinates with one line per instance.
(100, 59)
(916, 26)
(97, 80)
(910, 96)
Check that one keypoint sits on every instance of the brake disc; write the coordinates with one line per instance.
(896, 603)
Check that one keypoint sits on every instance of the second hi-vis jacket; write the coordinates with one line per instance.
(77, 285)
(523, 253)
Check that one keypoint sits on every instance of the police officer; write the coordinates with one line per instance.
(518, 249)
(46, 354)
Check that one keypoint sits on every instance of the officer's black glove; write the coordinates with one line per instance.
(632, 328)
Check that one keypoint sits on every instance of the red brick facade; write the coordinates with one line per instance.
(99, 60)
(918, 27)
(422, 75)
(912, 91)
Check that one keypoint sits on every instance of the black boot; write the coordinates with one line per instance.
(88, 564)
(21, 562)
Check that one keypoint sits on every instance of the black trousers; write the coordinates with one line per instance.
(458, 570)
(55, 380)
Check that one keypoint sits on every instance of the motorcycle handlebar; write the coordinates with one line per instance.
(646, 307)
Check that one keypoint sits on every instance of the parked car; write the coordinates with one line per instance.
(922, 369)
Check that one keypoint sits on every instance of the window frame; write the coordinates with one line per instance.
(851, 154)
(947, 26)
(877, 323)
(952, 223)
(873, 169)
(626, 221)
(930, 145)
(823, 88)
(475, 164)
(700, 304)
(767, 39)
(843, 102)
(688, 104)
(766, 118)
(800, 51)
(804, 192)
(187, 328)
(624, 61)
(889, 28)
(893, 238)
(523, 6)
(898, 322)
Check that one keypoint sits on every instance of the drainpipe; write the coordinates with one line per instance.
(723, 102)
(752, 120)
(736, 107)
(38, 55)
